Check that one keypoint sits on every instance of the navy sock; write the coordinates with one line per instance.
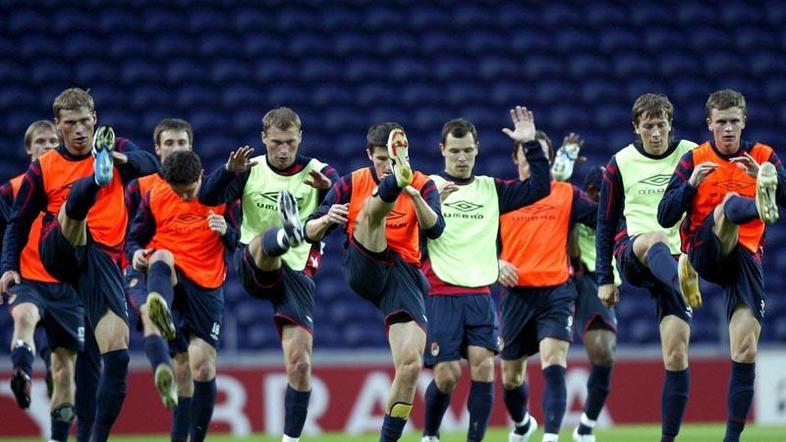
(202, 405)
(159, 280)
(481, 400)
(392, 427)
(296, 410)
(598, 387)
(22, 357)
(388, 189)
(87, 375)
(663, 265)
(516, 403)
(739, 398)
(62, 417)
(181, 419)
(437, 403)
(673, 402)
(271, 244)
(555, 398)
(157, 351)
(112, 391)
(81, 198)
(740, 210)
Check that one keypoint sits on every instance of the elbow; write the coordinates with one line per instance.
(436, 230)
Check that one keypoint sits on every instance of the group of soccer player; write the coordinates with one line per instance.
(95, 224)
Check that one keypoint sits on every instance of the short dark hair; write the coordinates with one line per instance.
(72, 99)
(172, 124)
(724, 99)
(654, 105)
(594, 178)
(459, 128)
(282, 118)
(181, 168)
(378, 134)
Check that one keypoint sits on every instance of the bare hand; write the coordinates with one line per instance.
(609, 294)
(217, 223)
(748, 164)
(240, 160)
(411, 191)
(318, 180)
(508, 274)
(8, 280)
(523, 125)
(141, 259)
(338, 214)
(446, 190)
(700, 173)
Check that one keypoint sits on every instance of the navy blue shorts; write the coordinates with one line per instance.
(62, 314)
(394, 286)
(197, 312)
(136, 287)
(740, 273)
(89, 269)
(456, 322)
(669, 301)
(591, 314)
(291, 292)
(531, 314)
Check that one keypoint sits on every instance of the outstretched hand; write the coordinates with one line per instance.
(523, 125)
(240, 160)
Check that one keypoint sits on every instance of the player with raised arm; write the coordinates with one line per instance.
(277, 192)
(729, 190)
(633, 184)
(84, 176)
(462, 316)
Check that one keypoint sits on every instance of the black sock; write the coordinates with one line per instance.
(555, 398)
(740, 210)
(81, 198)
(159, 280)
(87, 375)
(479, 404)
(296, 410)
(202, 404)
(663, 266)
(181, 419)
(22, 357)
(598, 388)
(673, 402)
(112, 391)
(388, 189)
(436, 403)
(157, 351)
(739, 398)
(275, 242)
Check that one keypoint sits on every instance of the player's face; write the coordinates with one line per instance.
(654, 131)
(726, 126)
(381, 160)
(188, 192)
(460, 154)
(76, 127)
(43, 140)
(282, 146)
(172, 140)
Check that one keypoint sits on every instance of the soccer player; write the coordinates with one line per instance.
(384, 208)
(633, 184)
(277, 192)
(67, 184)
(170, 135)
(41, 299)
(180, 243)
(730, 190)
(462, 264)
(596, 322)
(537, 306)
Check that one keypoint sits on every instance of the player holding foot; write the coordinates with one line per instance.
(85, 175)
(385, 209)
(278, 191)
(462, 317)
(633, 184)
(730, 190)
(181, 244)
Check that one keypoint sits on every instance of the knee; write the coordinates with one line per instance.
(746, 352)
(602, 352)
(299, 367)
(483, 369)
(447, 378)
(677, 358)
(204, 370)
(25, 315)
(164, 256)
(512, 379)
(408, 368)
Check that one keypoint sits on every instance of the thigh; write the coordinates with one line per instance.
(705, 255)
(101, 285)
(262, 284)
(630, 267)
(747, 287)
(296, 306)
(366, 272)
(59, 257)
(480, 323)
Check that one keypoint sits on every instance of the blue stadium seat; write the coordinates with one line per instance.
(605, 15)
(741, 14)
(49, 71)
(441, 43)
(514, 14)
(315, 69)
(530, 42)
(330, 94)
(362, 69)
(611, 115)
(642, 85)
(409, 68)
(539, 66)
(494, 67)
(251, 19)
(695, 13)
(588, 64)
(308, 44)
(184, 70)
(28, 22)
(338, 18)
(353, 44)
(218, 45)
(198, 96)
(469, 16)
(271, 70)
(397, 42)
(776, 89)
(11, 71)
(375, 95)
(83, 46)
(704, 39)
(594, 91)
(17, 98)
(117, 21)
(203, 20)
(723, 64)
(128, 46)
(286, 94)
(429, 17)
(619, 39)
(140, 71)
(561, 15)
(673, 64)
(770, 63)
(69, 19)
(570, 40)
(645, 14)
(484, 43)
(39, 46)
(235, 96)
(229, 70)
(775, 13)
(429, 118)
(348, 118)
(465, 92)
(296, 19)
(247, 119)
(628, 64)
(664, 39)
(260, 44)
(554, 91)
(754, 39)
(421, 94)
(382, 17)
(364, 335)
(163, 20)
(568, 117)
(208, 121)
(175, 45)
(507, 93)
(107, 96)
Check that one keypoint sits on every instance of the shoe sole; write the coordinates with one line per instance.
(398, 150)
(103, 145)
(766, 188)
(20, 386)
(165, 384)
(290, 217)
(160, 315)
(689, 283)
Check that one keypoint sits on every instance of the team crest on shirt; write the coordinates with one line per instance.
(434, 349)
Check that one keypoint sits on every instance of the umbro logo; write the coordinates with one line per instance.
(270, 196)
(190, 218)
(733, 185)
(463, 206)
(538, 208)
(658, 180)
(395, 214)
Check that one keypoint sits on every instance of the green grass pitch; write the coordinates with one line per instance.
(624, 433)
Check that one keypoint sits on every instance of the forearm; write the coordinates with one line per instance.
(427, 217)
(317, 228)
